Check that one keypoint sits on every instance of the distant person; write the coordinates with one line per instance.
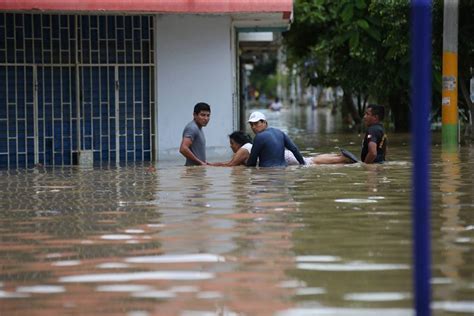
(193, 144)
(269, 144)
(276, 105)
(241, 145)
(374, 145)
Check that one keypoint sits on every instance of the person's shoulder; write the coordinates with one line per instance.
(273, 130)
(376, 127)
(247, 147)
(381, 128)
(190, 130)
(191, 125)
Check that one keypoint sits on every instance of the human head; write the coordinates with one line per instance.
(257, 121)
(202, 114)
(377, 110)
(238, 139)
(202, 106)
(374, 113)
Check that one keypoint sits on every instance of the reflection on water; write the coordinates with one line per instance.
(328, 240)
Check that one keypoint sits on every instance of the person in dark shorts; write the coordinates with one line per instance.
(193, 144)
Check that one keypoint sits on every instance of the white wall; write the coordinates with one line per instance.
(194, 63)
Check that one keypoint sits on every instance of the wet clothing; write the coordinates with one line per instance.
(248, 147)
(291, 159)
(269, 148)
(376, 134)
(198, 147)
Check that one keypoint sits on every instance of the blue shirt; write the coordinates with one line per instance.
(269, 148)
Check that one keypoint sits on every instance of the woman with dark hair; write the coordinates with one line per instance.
(241, 144)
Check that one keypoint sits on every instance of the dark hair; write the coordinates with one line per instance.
(201, 106)
(240, 138)
(378, 110)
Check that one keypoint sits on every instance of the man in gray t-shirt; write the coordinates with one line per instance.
(193, 144)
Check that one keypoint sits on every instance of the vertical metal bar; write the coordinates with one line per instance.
(17, 68)
(53, 93)
(154, 91)
(99, 104)
(127, 92)
(35, 113)
(117, 113)
(134, 87)
(134, 105)
(78, 88)
(7, 85)
(106, 26)
(142, 67)
(116, 99)
(42, 36)
(53, 79)
(43, 131)
(421, 99)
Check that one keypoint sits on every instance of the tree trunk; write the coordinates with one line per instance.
(350, 108)
(401, 112)
(468, 133)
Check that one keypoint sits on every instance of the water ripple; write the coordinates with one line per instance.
(457, 307)
(177, 258)
(355, 201)
(376, 296)
(41, 289)
(317, 258)
(125, 277)
(123, 288)
(334, 311)
(352, 266)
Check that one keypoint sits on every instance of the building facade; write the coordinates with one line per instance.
(100, 82)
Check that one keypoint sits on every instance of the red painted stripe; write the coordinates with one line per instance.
(157, 6)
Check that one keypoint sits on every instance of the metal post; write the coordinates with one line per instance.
(421, 104)
(450, 134)
(35, 114)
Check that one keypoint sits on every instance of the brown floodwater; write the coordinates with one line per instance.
(163, 239)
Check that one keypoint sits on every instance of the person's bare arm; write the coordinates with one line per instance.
(239, 158)
(186, 152)
(372, 153)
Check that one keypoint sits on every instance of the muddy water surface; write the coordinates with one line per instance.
(163, 239)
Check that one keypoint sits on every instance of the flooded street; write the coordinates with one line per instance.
(199, 241)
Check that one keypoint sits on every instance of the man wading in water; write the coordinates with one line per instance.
(269, 144)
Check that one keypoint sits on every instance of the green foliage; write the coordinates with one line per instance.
(263, 77)
(364, 46)
(337, 41)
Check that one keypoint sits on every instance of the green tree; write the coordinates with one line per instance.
(363, 46)
(263, 76)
